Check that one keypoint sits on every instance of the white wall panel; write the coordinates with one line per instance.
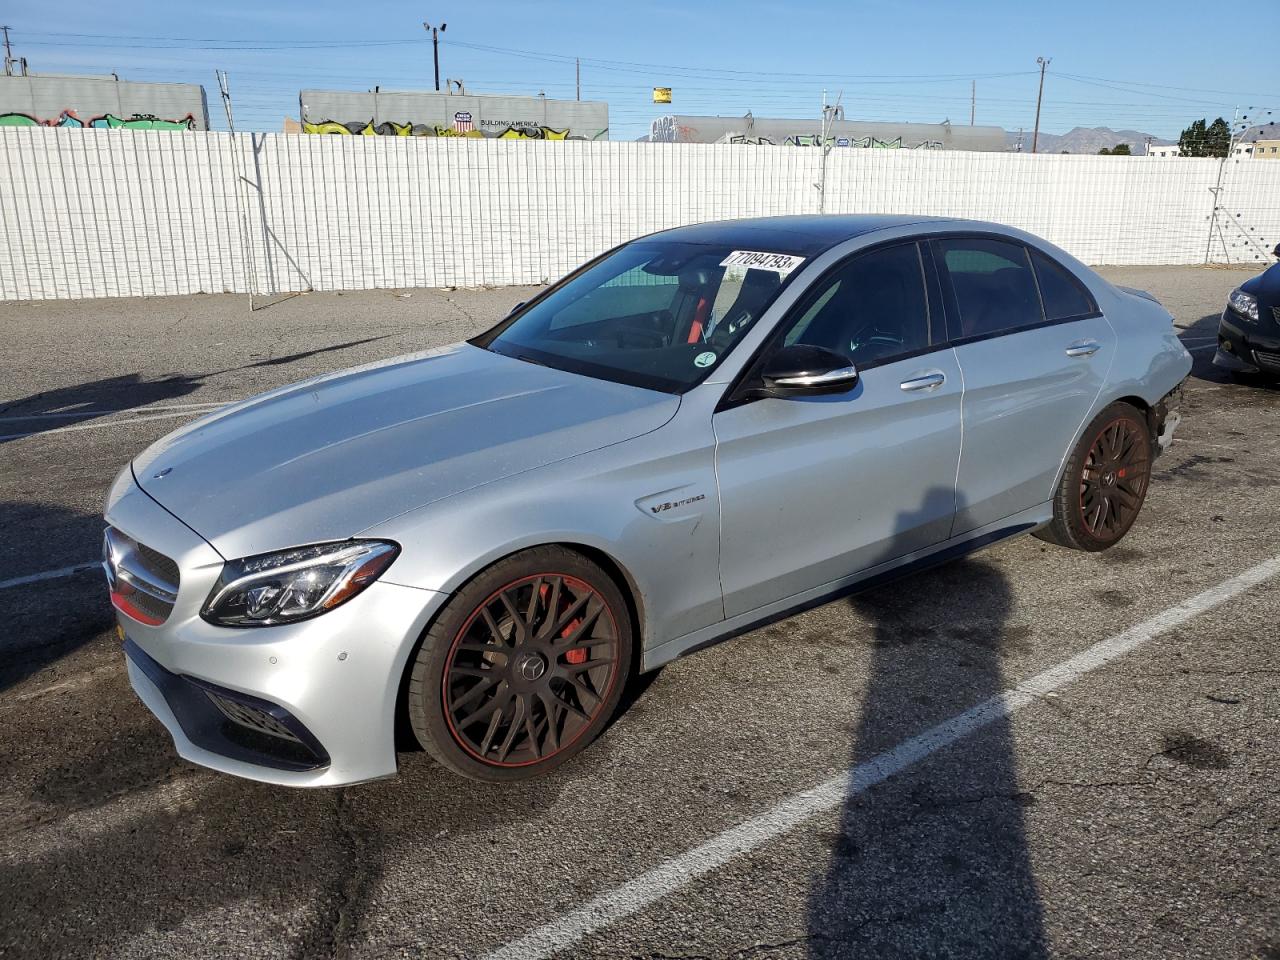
(135, 213)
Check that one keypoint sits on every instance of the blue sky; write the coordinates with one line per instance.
(1134, 64)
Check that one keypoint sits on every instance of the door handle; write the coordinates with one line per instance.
(1083, 348)
(927, 382)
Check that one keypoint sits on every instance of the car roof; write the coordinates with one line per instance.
(806, 235)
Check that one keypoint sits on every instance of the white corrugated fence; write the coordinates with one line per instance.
(103, 213)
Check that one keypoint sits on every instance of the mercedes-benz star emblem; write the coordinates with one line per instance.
(532, 667)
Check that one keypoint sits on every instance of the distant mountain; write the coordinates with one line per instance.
(1084, 140)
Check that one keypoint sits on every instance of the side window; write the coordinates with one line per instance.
(1061, 292)
(992, 285)
(872, 308)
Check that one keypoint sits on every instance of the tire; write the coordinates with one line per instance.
(1104, 483)
(496, 664)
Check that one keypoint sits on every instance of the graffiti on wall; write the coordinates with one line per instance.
(865, 143)
(107, 121)
(463, 126)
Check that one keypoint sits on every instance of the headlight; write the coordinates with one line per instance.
(1245, 304)
(295, 584)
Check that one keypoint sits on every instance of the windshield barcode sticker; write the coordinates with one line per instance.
(782, 263)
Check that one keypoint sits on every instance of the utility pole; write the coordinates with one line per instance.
(1035, 137)
(973, 100)
(829, 113)
(435, 46)
(8, 54)
(577, 78)
(246, 245)
(1216, 190)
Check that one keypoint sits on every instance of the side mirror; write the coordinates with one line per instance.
(802, 369)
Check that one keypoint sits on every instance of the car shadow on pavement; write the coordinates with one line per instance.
(48, 619)
(933, 861)
(69, 406)
(176, 855)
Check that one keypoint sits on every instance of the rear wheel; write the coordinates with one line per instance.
(1104, 483)
(523, 668)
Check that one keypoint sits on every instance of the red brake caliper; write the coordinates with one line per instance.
(573, 656)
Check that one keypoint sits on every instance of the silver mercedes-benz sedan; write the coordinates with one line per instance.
(696, 432)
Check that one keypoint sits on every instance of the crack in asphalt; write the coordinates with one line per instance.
(338, 924)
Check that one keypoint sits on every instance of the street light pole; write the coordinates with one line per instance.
(435, 46)
(1035, 137)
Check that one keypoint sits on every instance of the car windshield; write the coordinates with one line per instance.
(656, 314)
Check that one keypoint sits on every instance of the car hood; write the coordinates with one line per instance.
(330, 457)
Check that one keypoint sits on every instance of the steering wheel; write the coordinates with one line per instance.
(643, 338)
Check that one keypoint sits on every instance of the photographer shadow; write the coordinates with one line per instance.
(933, 861)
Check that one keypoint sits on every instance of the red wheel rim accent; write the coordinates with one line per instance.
(530, 670)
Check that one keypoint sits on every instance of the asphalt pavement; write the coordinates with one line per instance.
(1028, 753)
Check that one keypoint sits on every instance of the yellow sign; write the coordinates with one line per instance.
(661, 94)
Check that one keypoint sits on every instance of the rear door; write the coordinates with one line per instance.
(1034, 351)
(814, 489)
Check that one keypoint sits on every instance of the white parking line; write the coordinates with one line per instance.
(104, 424)
(675, 873)
(64, 686)
(78, 828)
(211, 404)
(47, 575)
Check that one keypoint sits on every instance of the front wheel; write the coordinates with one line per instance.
(523, 668)
(1104, 483)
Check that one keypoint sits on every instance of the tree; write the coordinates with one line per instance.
(1104, 152)
(1205, 140)
(1121, 150)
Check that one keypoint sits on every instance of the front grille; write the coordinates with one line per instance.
(251, 717)
(1275, 312)
(1267, 361)
(144, 582)
(153, 607)
(157, 563)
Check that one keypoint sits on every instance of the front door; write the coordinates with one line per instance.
(815, 489)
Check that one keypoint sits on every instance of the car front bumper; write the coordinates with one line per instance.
(1246, 347)
(303, 704)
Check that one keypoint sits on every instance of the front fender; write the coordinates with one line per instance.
(652, 511)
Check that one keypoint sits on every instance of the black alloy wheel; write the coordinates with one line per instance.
(1104, 483)
(532, 668)
(1114, 480)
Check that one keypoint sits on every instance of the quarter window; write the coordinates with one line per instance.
(871, 309)
(992, 284)
(1062, 294)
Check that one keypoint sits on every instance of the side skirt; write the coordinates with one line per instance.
(953, 549)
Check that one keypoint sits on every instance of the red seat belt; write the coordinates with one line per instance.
(699, 320)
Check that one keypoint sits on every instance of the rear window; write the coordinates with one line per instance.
(1064, 297)
(992, 284)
